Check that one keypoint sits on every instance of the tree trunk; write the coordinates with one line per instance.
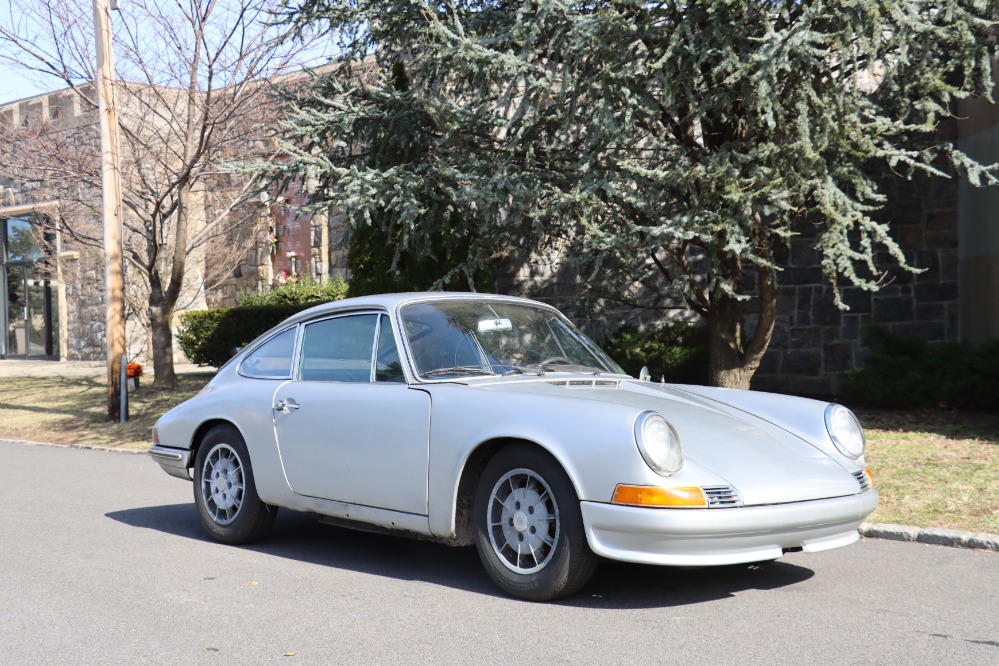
(732, 362)
(726, 365)
(160, 320)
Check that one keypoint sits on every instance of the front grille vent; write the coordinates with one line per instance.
(863, 480)
(720, 497)
(586, 383)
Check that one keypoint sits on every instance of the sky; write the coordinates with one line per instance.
(14, 87)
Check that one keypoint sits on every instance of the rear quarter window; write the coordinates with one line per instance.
(272, 359)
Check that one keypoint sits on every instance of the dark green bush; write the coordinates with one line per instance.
(369, 259)
(905, 372)
(677, 351)
(208, 337)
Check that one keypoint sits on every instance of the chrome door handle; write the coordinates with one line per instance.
(286, 406)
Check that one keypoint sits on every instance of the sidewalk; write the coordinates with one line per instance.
(75, 368)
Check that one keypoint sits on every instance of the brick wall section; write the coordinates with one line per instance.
(320, 240)
(815, 343)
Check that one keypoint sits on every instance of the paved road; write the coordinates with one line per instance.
(102, 560)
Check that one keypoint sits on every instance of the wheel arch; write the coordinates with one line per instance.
(475, 463)
(202, 430)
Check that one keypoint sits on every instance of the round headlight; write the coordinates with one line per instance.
(845, 431)
(658, 443)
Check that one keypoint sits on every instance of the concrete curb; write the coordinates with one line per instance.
(89, 447)
(932, 535)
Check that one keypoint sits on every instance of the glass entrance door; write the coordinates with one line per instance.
(30, 331)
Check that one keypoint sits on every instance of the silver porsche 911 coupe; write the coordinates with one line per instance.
(492, 420)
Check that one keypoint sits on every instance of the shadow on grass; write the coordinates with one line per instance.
(71, 396)
(78, 413)
(940, 422)
(616, 585)
(73, 409)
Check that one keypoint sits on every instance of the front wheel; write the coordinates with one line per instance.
(529, 528)
(224, 490)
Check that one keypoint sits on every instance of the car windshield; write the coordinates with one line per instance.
(467, 338)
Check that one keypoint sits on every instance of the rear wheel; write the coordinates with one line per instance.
(529, 528)
(224, 490)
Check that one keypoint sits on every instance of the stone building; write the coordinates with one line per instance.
(297, 246)
(52, 296)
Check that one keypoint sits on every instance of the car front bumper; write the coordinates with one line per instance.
(723, 536)
(175, 462)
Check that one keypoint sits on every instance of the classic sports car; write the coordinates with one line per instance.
(492, 420)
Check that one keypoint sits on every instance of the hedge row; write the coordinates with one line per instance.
(904, 372)
(210, 337)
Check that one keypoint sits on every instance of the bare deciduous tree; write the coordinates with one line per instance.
(192, 97)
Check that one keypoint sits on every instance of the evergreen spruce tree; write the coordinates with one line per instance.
(668, 150)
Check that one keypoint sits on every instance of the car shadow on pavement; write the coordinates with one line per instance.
(616, 585)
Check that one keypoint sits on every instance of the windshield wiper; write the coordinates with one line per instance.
(458, 370)
(576, 367)
(521, 369)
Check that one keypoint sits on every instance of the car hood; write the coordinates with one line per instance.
(766, 463)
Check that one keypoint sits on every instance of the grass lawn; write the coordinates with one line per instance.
(73, 410)
(933, 468)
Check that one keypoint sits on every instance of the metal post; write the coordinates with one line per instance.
(123, 382)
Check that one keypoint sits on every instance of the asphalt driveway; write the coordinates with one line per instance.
(102, 560)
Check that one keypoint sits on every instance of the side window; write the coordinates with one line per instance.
(388, 367)
(339, 349)
(271, 360)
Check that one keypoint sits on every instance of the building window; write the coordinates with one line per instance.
(28, 320)
(22, 241)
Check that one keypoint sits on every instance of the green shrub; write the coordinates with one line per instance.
(208, 337)
(905, 372)
(677, 351)
(305, 292)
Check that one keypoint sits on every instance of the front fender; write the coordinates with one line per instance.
(593, 441)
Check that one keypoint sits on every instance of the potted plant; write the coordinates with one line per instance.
(133, 371)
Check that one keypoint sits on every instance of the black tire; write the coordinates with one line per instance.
(224, 490)
(525, 498)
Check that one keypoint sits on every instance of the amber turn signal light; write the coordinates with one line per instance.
(870, 476)
(690, 496)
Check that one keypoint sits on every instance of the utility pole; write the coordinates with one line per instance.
(111, 181)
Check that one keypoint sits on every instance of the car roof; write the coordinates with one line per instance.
(390, 302)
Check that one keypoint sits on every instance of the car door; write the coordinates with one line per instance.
(348, 426)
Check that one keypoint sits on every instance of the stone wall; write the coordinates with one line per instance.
(543, 280)
(248, 277)
(83, 279)
(339, 235)
(815, 343)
